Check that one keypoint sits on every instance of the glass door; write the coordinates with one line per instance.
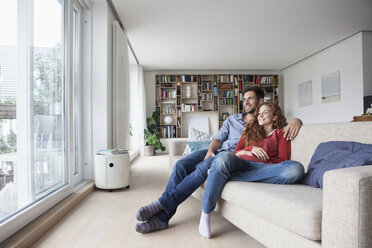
(47, 88)
(33, 117)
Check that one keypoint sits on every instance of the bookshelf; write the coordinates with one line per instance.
(179, 95)
(208, 93)
(226, 99)
(167, 100)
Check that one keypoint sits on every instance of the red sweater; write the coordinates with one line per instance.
(276, 146)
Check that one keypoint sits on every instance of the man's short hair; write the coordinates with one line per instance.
(258, 91)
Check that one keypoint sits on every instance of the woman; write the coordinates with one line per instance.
(262, 155)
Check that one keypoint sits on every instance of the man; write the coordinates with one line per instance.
(190, 172)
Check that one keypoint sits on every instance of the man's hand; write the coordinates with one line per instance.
(260, 153)
(242, 152)
(213, 147)
(292, 129)
(209, 155)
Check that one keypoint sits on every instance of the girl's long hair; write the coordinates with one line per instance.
(254, 133)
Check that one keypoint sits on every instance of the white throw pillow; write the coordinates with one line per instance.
(196, 135)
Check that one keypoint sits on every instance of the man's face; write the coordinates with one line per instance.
(249, 102)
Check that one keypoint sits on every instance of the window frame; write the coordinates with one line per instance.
(76, 118)
(31, 211)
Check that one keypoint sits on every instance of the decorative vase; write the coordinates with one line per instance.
(188, 91)
(168, 120)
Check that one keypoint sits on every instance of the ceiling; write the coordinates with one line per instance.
(237, 34)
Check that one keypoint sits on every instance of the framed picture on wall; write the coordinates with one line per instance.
(305, 94)
(331, 87)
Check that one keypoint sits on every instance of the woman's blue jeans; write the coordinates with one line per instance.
(227, 166)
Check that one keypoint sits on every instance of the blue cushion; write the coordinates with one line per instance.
(335, 155)
(198, 145)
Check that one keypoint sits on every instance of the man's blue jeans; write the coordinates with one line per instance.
(227, 166)
(187, 175)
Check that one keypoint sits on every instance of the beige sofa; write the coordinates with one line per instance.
(339, 215)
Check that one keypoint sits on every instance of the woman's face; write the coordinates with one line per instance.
(265, 116)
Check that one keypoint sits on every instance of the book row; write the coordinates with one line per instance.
(189, 107)
(225, 78)
(167, 78)
(168, 93)
(169, 132)
(207, 96)
(189, 78)
(207, 86)
(227, 101)
(226, 93)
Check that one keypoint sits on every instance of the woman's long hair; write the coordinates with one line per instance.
(254, 133)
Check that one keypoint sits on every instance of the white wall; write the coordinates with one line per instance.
(87, 95)
(346, 57)
(100, 115)
(367, 63)
(102, 77)
(121, 89)
(133, 77)
(109, 76)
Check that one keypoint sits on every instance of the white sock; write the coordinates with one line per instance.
(204, 225)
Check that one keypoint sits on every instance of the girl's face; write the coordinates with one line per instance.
(265, 116)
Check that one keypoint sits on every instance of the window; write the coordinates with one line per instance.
(8, 97)
(34, 118)
(47, 97)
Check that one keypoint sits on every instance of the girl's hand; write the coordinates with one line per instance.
(260, 153)
(242, 152)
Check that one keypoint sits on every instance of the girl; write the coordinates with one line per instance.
(262, 155)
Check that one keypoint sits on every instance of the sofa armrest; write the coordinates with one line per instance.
(176, 148)
(347, 212)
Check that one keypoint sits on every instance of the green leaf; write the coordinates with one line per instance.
(152, 135)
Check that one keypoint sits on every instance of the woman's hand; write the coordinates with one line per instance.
(260, 153)
(242, 152)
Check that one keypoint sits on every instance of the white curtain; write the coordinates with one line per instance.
(138, 110)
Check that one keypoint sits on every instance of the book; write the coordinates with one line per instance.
(157, 101)
(113, 151)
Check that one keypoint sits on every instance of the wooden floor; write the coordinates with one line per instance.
(107, 219)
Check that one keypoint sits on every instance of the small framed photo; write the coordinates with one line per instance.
(331, 87)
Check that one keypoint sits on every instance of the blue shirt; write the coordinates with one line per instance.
(230, 132)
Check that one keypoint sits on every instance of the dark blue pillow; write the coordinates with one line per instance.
(335, 155)
(198, 145)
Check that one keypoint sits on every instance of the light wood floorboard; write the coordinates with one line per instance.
(107, 219)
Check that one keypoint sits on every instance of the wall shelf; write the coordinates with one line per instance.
(210, 93)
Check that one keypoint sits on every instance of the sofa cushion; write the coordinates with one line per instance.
(198, 145)
(196, 135)
(297, 208)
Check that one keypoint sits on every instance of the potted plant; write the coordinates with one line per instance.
(152, 135)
